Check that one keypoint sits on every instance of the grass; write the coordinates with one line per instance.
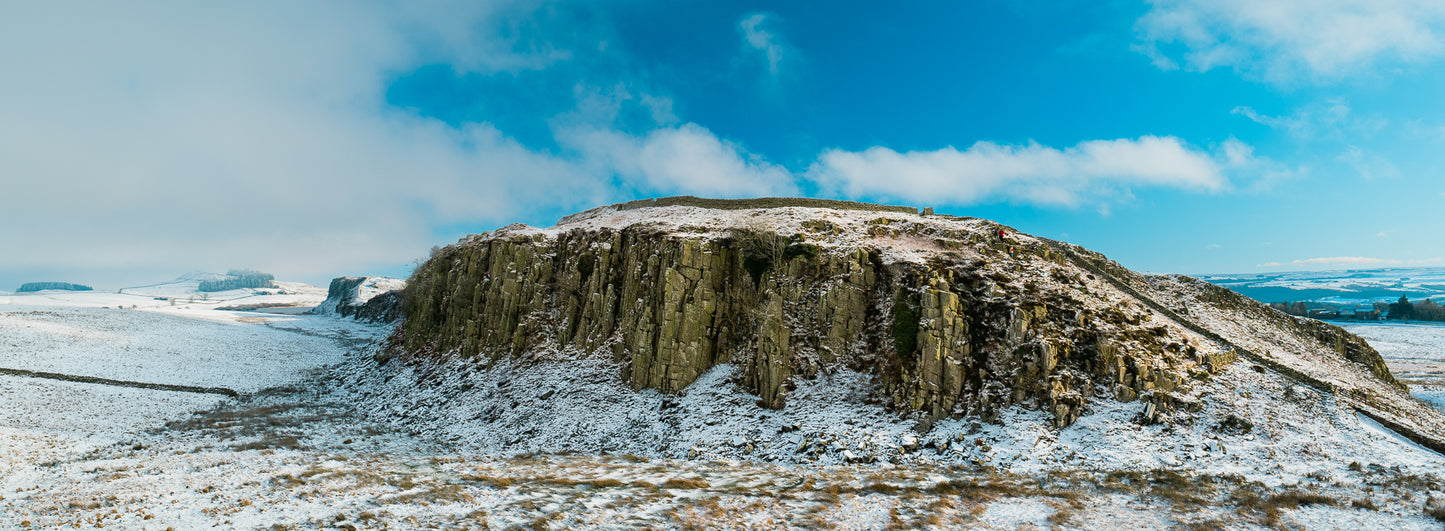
(1438, 513)
(1166, 485)
(681, 483)
(1269, 509)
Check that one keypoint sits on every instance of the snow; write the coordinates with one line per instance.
(1015, 514)
(367, 289)
(1345, 518)
(1296, 432)
(1415, 352)
(376, 286)
(179, 297)
(1272, 335)
(156, 347)
(46, 421)
(330, 431)
(403, 446)
(1342, 287)
(852, 226)
(1384, 433)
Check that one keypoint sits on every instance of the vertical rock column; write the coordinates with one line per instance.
(942, 351)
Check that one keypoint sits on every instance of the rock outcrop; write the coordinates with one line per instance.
(950, 317)
(375, 299)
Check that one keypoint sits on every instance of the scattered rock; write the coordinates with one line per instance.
(909, 442)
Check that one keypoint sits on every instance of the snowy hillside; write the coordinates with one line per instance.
(299, 456)
(1266, 423)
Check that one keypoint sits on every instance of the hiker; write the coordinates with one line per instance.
(1000, 234)
(1011, 252)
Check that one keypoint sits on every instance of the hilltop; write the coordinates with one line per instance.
(688, 363)
(806, 330)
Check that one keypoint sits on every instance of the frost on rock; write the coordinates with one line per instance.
(805, 333)
(375, 299)
(946, 316)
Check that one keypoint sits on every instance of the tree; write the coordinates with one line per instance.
(1402, 309)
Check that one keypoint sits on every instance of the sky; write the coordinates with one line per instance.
(140, 141)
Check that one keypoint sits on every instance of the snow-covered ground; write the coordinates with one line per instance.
(1415, 352)
(564, 444)
(1283, 433)
(156, 347)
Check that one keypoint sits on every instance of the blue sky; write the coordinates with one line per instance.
(317, 139)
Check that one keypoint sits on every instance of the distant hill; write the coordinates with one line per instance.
(38, 286)
(1337, 287)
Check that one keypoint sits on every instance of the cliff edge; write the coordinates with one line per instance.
(951, 317)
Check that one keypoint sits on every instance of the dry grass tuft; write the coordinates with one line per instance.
(682, 483)
(1438, 513)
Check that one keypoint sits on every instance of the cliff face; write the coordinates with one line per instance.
(376, 299)
(937, 308)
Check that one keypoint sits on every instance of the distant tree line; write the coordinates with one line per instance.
(37, 286)
(1403, 309)
(1292, 308)
(239, 279)
(1417, 311)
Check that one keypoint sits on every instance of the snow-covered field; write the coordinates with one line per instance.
(563, 444)
(1415, 352)
(154, 347)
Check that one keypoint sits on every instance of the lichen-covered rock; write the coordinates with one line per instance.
(950, 319)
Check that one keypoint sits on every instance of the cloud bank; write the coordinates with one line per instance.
(249, 134)
(1351, 261)
(259, 135)
(1285, 41)
(1087, 173)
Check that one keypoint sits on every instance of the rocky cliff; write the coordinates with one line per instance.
(376, 299)
(949, 317)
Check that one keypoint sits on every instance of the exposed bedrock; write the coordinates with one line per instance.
(376, 299)
(959, 333)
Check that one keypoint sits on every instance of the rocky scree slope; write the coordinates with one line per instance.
(947, 318)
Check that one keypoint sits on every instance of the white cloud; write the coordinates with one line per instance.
(758, 35)
(1088, 173)
(256, 135)
(1287, 40)
(1330, 119)
(1351, 261)
(1262, 173)
(684, 159)
(1367, 164)
(660, 107)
